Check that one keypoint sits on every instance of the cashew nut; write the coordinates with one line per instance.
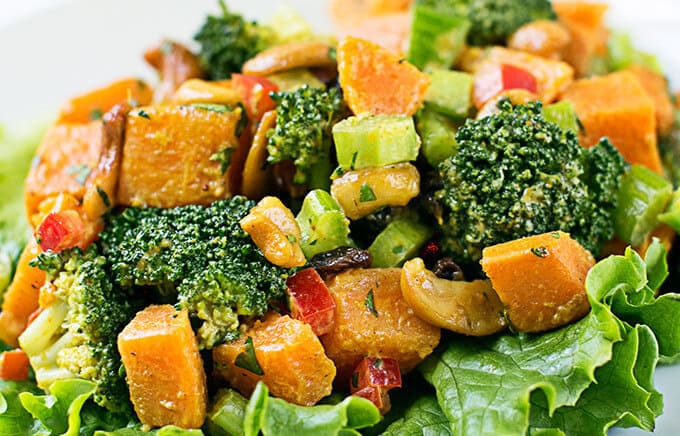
(469, 308)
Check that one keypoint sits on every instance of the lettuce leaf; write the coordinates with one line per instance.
(548, 383)
(136, 430)
(273, 416)
(14, 419)
(424, 417)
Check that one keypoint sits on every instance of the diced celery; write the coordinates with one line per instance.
(291, 80)
(450, 93)
(438, 134)
(398, 242)
(375, 140)
(225, 417)
(671, 216)
(562, 114)
(643, 195)
(322, 223)
(622, 53)
(437, 36)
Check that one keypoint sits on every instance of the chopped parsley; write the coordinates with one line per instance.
(366, 193)
(370, 303)
(539, 251)
(247, 359)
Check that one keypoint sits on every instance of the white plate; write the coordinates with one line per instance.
(74, 45)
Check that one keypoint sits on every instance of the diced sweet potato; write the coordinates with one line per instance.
(291, 358)
(372, 319)
(94, 104)
(21, 298)
(656, 86)
(390, 31)
(376, 81)
(586, 26)
(552, 76)
(540, 280)
(172, 156)
(617, 106)
(63, 162)
(163, 368)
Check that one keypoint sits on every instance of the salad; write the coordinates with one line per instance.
(453, 217)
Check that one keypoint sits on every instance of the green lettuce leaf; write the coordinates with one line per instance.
(623, 395)
(548, 383)
(273, 416)
(14, 419)
(424, 417)
(484, 384)
(59, 411)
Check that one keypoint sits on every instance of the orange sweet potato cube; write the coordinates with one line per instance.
(64, 160)
(92, 105)
(540, 279)
(377, 81)
(586, 25)
(656, 86)
(291, 358)
(170, 152)
(163, 368)
(618, 107)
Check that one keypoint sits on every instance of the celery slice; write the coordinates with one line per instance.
(322, 223)
(438, 135)
(437, 37)
(643, 195)
(398, 242)
(375, 140)
(562, 114)
(671, 216)
(450, 93)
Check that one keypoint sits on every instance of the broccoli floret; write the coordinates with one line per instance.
(227, 41)
(75, 335)
(198, 255)
(492, 21)
(304, 119)
(516, 175)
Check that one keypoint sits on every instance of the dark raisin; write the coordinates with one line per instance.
(446, 268)
(340, 259)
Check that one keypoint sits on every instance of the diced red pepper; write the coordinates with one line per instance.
(517, 78)
(14, 365)
(311, 301)
(492, 80)
(61, 230)
(373, 378)
(255, 93)
(377, 396)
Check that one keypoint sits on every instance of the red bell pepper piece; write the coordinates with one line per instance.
(492, 80)
(255, 94)
(61, 230)
(14, 365)
(373, 378)
(311, 301)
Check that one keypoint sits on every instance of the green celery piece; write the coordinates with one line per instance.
(289, 81)
(273, 416)
(322, 223)
(642, 196)
(375, 140)
(438, 134)
(563, 114)
(423, 417)
(671, 216)
(437, 36)
(621, 53)
(450, 93)
(225, 416)
(398, 242)
(624, 395)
